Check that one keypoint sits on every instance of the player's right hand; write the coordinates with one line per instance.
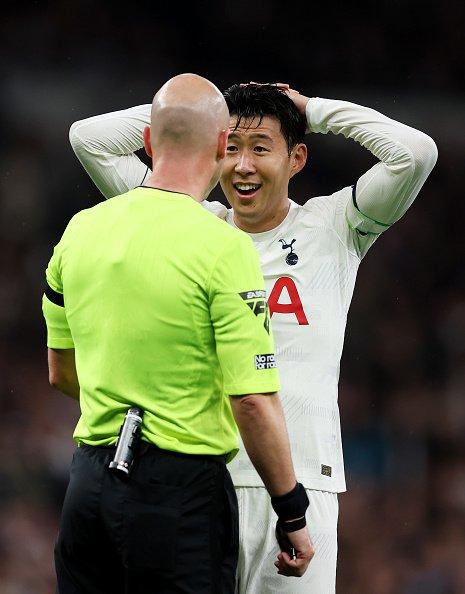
(294, 565)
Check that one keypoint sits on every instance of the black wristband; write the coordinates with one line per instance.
(292, 505)
(293, 525)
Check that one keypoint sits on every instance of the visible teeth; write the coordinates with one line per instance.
(247, 186)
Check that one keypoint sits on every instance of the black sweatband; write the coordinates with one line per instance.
(291, 526)
(292, 505)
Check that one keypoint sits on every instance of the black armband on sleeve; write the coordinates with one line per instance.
(291, 506)
(54, 296)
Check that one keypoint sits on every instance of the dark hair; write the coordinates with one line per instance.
(257, 101)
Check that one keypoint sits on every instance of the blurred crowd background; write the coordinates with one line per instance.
(402, 522)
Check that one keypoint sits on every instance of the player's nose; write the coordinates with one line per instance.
(244, 165)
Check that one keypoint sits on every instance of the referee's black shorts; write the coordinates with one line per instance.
(172, 528)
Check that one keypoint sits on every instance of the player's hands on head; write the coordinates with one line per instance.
(300, 101)
(300, 541)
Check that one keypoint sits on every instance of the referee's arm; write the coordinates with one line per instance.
(263, 430)
(61, 363)
(62, 373)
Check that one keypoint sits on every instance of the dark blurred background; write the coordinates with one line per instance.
(402, 526)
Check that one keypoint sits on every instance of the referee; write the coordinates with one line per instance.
(152, 302)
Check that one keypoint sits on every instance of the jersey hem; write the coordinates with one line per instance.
(314, 484)
(256, 388)
(60, 343)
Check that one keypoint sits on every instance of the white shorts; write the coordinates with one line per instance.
(258, 549)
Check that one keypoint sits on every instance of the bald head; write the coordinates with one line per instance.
(188, 114)
(188, 136)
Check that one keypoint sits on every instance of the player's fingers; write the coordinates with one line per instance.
(285, 87)
(295, 567)
(283, 569)
(280, 563)
(292, 571)
(285, 557)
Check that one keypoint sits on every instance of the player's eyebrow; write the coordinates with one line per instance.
(254, 136)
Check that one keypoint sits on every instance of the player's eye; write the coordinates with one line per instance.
(231, 148)
(261, 149)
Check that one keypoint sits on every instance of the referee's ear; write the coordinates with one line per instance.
(147, 143)
(222, 145)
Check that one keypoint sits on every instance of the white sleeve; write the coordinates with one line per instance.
(105, 145)
(385, 192)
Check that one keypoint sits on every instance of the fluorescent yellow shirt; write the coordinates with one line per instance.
(165, 307)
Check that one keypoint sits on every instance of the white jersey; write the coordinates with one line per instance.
(309, 262)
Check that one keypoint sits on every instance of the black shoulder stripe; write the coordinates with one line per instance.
(354, 200)
(54, 296)
(143, 179)
(354, 197)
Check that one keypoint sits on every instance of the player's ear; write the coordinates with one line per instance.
(222, 144)
(147, 143)
(298, 158)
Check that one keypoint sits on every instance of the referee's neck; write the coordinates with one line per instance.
(184, 176)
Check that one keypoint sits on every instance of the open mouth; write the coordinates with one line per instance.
(246, 190)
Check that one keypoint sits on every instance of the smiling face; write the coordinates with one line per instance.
(256, 172)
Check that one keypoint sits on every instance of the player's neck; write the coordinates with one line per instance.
(267, 223)
(178, 175)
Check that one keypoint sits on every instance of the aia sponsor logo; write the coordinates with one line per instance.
(295, 306)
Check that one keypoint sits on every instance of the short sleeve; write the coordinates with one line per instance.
(53, 306)
(240, 317)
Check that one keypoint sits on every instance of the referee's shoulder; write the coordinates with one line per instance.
(108, 205)
(87, 218)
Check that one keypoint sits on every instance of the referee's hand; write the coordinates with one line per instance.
(295, 565)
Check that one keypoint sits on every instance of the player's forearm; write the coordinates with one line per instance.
(261, 422)
(406, 155)
(105, 146)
